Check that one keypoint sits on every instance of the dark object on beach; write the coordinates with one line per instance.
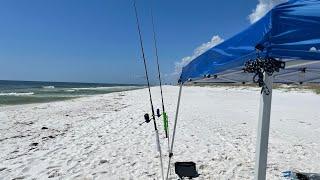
(4, 168)
(158, 113)
(301, 175)
(34, 144)
(307, 176)
(147, 118)
(67, 115)
(186, 169)
(103, 161)
(43, 128)
(49, 137)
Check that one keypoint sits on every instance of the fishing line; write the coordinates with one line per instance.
(148, 83)
(164, 114)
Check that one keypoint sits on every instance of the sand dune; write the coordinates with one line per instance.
(99, 137)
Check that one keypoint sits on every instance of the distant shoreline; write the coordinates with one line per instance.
(36, 81)
(27, 92)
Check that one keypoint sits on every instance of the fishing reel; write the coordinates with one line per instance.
(158, 113)
(147, 118)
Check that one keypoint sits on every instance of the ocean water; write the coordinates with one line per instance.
(24, 92)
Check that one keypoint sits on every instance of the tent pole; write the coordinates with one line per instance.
(174, 130)
(263, 129)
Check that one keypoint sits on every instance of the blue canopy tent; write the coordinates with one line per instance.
(289, 33)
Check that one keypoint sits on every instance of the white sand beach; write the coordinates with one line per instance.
(99, 137)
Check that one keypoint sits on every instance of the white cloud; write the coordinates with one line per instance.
(215, 40)
(262, 8)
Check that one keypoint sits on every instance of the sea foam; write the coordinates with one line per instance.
(17, 94)
(48, 87)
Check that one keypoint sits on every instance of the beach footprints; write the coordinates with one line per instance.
(54, 173)
(104, 143)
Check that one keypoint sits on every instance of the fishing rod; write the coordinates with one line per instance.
(146, 116)
(164, 114)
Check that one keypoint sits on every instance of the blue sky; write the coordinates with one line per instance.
(97, 40)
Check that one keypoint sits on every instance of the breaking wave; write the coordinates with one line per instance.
(17, 94)
(48, 87)
(23, 92)
(106, 88)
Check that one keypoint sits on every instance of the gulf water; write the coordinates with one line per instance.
(23, 92)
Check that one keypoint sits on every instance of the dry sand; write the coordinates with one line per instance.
(99, 137)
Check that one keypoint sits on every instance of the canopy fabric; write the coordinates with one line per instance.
(290, 31)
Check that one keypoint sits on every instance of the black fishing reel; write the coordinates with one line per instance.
(158, 113)
(147, 118)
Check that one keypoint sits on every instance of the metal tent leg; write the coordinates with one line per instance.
(263, 129)
(174, 130)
